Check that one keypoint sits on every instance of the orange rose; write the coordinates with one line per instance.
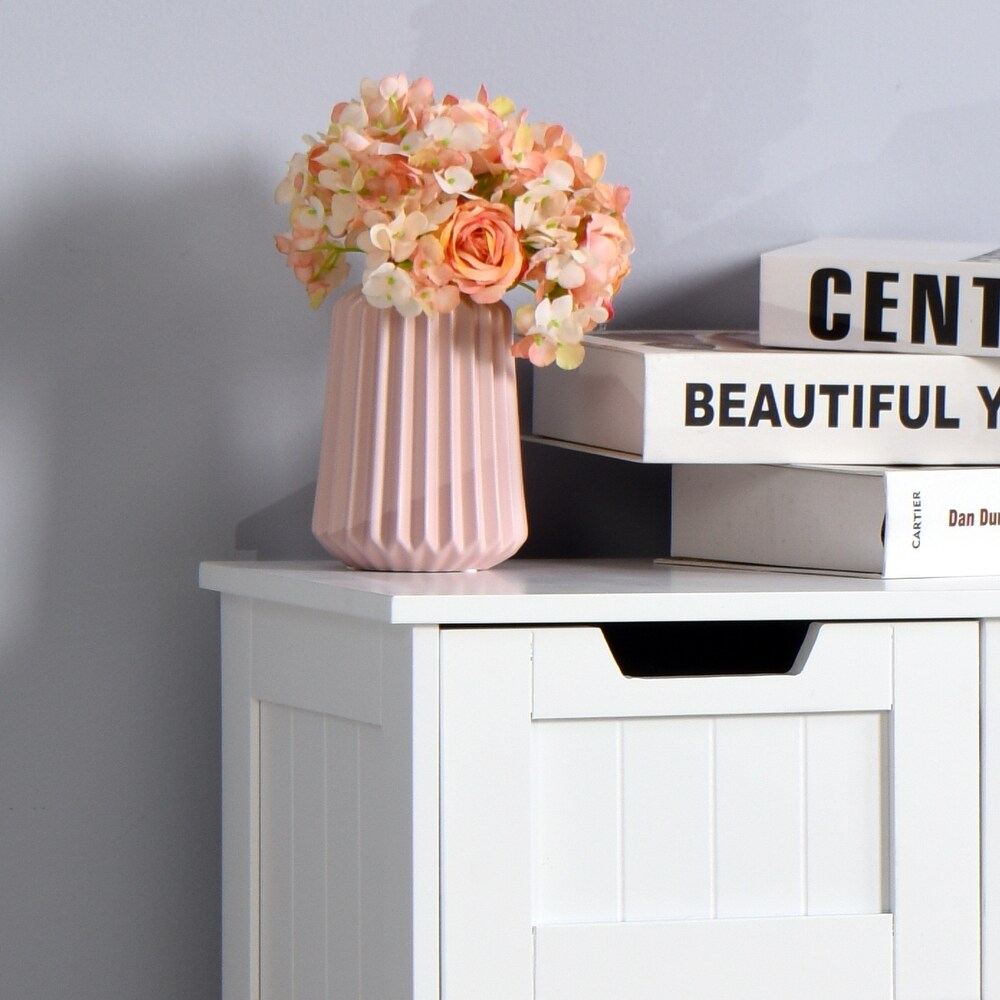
(482, 249)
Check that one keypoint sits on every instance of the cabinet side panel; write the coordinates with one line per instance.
(277, 829)
(240, 806)
(317, 661)
(343, 876)
(309, 853)
(339, 848)
(935, 818)
(310, 877)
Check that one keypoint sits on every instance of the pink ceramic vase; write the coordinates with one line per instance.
(420, 467)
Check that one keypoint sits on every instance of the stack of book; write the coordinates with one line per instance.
(857, 431)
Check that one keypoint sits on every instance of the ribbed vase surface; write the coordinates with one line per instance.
(420, 465)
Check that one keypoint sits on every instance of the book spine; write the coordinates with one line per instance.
(808, 407)
(942, 522)
(799, 407)
(880, 305)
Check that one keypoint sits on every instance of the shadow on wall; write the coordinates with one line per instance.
(724, 299)
(686, 100)
(281, 530)
(579, 506)
(149, 398)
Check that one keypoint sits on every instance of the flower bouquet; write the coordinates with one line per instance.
(456, 198)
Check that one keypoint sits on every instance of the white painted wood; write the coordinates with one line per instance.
(668, 819)
(576, 817)
(486, 942)
(531, 591)
(342, 874)
(845, 667)
(731, 797)
(810, 958)
(240, 807)
(277, 853)
(653, 819)
(935, 893)
(309, 854)
(422, 645)
(846, 808)
(349, 840)
(759, 827)
(310, 883)
(387, 834)
(618, 775)
(320, 662)
(990, 848)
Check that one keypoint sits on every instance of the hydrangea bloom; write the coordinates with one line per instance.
(457, 198)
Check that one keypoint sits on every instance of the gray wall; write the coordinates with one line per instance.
(161, 373)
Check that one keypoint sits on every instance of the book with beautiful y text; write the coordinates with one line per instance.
(882, 295)
(893, 522)
(720, 397)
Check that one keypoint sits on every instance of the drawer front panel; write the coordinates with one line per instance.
(660, 798)
(841, 667)
(686, 818)
(711, 959)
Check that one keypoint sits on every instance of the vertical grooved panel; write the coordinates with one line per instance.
(309, 874)
(576, 856)
(241, 818)
(667, 804)
(343, 901)
(759, 816)
(277, 857)
(701, 818)
(846, 789)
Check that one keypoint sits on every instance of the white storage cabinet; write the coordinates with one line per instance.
(444, 787)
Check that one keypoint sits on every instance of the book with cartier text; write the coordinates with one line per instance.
(892, 522)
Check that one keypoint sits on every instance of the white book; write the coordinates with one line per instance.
(719, 397)
(882, 295)
(888, 522)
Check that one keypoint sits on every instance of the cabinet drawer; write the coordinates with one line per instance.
(721, 796)
(839, 667)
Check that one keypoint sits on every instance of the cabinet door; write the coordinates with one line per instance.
(772, 836)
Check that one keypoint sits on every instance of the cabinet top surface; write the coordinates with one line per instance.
(543, 591)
